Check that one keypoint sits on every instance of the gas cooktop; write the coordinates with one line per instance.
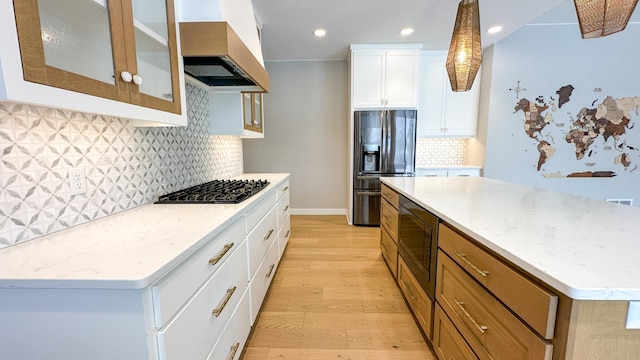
(215, 192)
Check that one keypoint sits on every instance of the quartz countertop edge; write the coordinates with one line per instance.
(128, 250)
(584, 248)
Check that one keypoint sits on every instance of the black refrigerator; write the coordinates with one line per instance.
(384, 145)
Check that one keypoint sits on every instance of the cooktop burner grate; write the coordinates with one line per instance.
(215, 192)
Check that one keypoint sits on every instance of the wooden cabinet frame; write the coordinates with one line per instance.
(121, 25)
(253, 109)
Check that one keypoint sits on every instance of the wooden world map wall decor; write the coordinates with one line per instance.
(598, 133)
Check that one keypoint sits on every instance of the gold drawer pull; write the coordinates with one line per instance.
(270, 271)
(222, 253)
(464, 258)
(217, 311)
(406, 286)
(287, 234)
(285, 208)
(234, 350)
(268, 235)
(481, 328)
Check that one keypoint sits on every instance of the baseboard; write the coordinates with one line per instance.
(319, 212)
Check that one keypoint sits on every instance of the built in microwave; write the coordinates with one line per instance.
(417, 243)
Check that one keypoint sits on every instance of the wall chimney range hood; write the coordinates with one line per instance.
(215, 55)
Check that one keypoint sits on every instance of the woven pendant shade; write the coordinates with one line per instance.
(465, 51)
(598, 18)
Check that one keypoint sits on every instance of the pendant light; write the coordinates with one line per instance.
(598, 18)
(465, 50)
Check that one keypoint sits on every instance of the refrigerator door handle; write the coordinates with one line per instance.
(384, 167)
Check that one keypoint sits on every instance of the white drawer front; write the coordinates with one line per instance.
(283, 188)
(235, 335)
(260, 210)
(261, 238)
(174, 290)
(283, 237)
(283, 209)
(196, 328)
(260, 283)
(464, 172)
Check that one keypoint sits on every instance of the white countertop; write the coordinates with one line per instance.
(127, 250)
(586, 249)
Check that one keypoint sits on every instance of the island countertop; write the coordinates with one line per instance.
(584, 248)
(128, 250)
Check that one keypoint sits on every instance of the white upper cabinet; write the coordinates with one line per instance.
(236, 113)
(441, 111)
(383, 77)
(117, 57)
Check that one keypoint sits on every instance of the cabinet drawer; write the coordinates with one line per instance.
(283, 237)
(260, 282)
(390, 195)
(389, 219)
(282, 189)
(389, 251)
(196, 328)
(418, 300)
(283, 209)
(534, 304)
(255, 215)
(261, 238)
(482, 320)
(174, 290)
(235, 335)
(447, 341)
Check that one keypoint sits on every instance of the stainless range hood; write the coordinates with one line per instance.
(215, 55)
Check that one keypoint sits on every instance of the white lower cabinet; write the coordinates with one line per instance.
(174, 290)
(261, 238)
(201, 308)
(283, 237)
(192, 333)
(448, 172)
(235, 335)
(261, 280)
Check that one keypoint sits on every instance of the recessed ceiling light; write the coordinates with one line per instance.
(406, 31)
(320, 32)
(494, 29)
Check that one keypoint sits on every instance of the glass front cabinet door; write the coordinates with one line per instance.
(123, 50)
(252, 111)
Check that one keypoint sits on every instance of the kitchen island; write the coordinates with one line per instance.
(582, 251)
(160, 281)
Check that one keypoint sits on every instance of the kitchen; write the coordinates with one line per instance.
(163, 159)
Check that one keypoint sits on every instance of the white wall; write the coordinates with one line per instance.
(545, 57)
(306, 129)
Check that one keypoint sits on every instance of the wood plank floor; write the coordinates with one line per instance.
(334, 298)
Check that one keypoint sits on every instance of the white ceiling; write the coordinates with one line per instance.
(288, 24)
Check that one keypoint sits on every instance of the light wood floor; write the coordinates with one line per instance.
(334, 298)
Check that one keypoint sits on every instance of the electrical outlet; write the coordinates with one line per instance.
(77, 181)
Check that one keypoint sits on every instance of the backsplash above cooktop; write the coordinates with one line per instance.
(125, 166)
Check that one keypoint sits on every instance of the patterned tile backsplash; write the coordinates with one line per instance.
(440, 151)
(125, 166)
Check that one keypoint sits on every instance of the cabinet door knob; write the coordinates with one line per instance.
(137, 79)
(126, 76)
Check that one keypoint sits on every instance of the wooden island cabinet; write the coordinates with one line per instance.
(389, 228)
(520, 280)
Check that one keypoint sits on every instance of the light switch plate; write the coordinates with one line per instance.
(633, 315)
